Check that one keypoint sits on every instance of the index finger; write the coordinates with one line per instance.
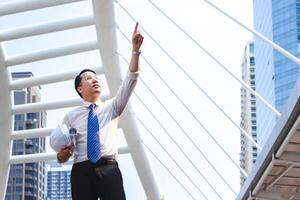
(136, 27)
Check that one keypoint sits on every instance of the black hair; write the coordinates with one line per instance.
(78, 78)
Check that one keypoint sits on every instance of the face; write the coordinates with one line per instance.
(90, 87)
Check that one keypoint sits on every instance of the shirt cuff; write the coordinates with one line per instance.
(133, 75)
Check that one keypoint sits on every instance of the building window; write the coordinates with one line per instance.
(252, 61)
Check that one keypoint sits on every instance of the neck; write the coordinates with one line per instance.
(91, 99)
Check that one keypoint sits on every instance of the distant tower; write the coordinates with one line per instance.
(58, 181)
(248, 152)
(27, 181)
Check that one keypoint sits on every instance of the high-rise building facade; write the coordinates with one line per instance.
(27, 181)
(58, 181)
(279, 20)
(248, 152)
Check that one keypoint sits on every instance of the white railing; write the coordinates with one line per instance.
(16, 6)
(48, 27)
(47, 79)
(37, 157)
(52, 53)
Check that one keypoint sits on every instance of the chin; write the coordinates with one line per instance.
(98, 92)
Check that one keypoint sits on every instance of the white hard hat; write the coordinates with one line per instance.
(60, 137)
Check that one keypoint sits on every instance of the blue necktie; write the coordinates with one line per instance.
(93, 142)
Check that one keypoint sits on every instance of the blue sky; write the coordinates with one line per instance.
(217, 34)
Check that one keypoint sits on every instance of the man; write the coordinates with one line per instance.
(95, 172)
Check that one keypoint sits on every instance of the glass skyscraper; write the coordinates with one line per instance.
(279, 20)
(27, 181)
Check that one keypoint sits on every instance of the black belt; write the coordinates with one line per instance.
(105, 160)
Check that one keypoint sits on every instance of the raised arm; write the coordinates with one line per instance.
(137, 41)
(120, 100)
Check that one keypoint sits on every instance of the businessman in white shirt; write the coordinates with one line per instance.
(95, 172)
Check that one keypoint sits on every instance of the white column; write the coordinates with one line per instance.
(6, 123)
(106, 33)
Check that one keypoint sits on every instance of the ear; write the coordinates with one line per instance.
(79, 89)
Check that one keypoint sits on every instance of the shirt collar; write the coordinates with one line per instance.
(99, 103)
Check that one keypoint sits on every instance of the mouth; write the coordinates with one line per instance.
(96, 86)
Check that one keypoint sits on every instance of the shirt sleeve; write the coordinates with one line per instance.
(66, 121)
(119, 102)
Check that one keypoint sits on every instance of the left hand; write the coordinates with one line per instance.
(65, 153)
(137, 38)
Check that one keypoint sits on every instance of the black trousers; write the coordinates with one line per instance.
(101, 180)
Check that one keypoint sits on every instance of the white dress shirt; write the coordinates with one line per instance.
(108, 113)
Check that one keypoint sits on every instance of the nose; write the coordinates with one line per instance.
(95, 79)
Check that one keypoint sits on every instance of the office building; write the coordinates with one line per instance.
(248, 152)
(58, 181)
(27, 181)
(275, 75)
